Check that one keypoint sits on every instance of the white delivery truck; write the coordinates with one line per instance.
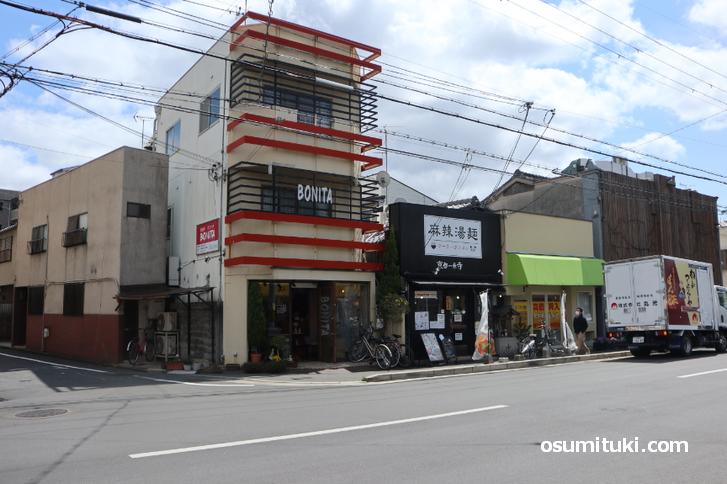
(663, 303)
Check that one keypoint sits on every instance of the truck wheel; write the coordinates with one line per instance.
(721, 345)
(685, 349)
(640, 352)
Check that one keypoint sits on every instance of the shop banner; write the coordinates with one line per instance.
(568, 340)
(208, 237)
(452, 237)
(483, 342)
(682, 296)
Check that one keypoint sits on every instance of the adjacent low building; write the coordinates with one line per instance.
(542, 258)
(83, 237)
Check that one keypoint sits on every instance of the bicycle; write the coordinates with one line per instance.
(406, 355)
(527, 347)
(368, 347)
(135, 348)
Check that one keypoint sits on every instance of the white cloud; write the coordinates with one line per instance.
(494, 46)
(19, 170)
(711, 13)
(658, 145)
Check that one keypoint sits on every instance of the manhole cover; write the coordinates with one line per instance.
(48, 412)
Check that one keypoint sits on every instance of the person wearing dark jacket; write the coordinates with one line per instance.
(580, 325)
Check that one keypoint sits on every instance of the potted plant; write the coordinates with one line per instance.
(389, 300)
(256, 331)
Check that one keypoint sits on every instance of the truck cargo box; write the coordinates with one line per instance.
(660, 293)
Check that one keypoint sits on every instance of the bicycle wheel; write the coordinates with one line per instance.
(382, 355)
(395, 353)
(149, 352)
(357, 352)
(132, 352)
(407, 357)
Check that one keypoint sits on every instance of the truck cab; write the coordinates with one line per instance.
(721, 306)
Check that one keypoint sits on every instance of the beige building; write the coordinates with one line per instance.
(81, 238)
(293, 108)
(544, 257)
(8, 242)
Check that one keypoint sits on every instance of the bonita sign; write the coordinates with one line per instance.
(315, 194)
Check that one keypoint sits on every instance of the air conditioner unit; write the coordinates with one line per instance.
(167, 321)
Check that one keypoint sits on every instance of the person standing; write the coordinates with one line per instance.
(580, 325)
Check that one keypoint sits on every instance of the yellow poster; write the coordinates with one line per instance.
(554, 314)
(538, 315)
(688, 294)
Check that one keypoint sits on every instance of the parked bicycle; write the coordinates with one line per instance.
(369, 347)
(527, 347)
(406, 356)
(136, 348)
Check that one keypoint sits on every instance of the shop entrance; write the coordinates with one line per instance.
(304, 324)
(448, 312)
(314, 320)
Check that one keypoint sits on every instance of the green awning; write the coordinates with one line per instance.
(551, 270)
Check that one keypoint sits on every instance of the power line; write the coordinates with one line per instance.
(656, 41)
(493, 125)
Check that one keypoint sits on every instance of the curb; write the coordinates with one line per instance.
(483, 368)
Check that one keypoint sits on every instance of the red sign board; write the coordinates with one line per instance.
(208, 237)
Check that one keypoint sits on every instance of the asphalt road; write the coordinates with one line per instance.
(126, 427)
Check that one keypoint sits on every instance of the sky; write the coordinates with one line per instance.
(649, 76)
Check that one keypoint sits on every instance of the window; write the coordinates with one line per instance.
(38, 239)
(73, 299)
(285, 200)
(76, 230)
(723, 259)
(138, 210)
(209, 111)
(6, 249)
(36, 296)
(173, 136)
(311, 109)
(722, 298)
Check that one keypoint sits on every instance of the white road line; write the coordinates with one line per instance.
(311, 434)
(54, 364)
(702, 373)
(165, 380)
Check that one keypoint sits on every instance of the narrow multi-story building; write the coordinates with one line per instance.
(82, 239)
(277, 112)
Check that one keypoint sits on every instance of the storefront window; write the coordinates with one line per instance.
(520, 320)
(276, 297)
(351, 315)
(584, 301)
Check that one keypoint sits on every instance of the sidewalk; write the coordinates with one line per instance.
(461, 369)
(359, 374)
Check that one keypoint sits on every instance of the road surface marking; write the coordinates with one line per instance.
(165, 380)
(54, 364)
(702, 373)
(312, 434)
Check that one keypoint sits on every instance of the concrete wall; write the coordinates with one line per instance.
(143, 251)
(95, 189)
(559, 196)
(539, 234)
